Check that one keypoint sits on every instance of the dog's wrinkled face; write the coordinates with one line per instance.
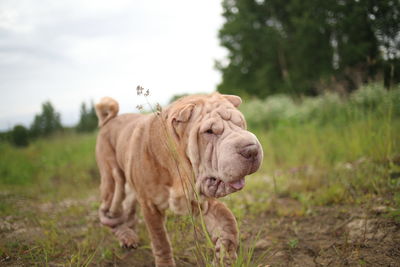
(222, 152)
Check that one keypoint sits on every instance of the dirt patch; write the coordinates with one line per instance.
(288, 235)
(329, 236)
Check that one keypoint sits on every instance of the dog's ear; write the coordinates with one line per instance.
(179, 118)
(183, 114)
(234, 99)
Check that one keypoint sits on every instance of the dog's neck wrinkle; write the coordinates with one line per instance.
(215, 156)
(192, 151)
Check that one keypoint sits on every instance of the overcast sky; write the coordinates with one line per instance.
(69, 51)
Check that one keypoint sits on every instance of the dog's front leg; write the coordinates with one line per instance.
(161, 246)
(222, 227)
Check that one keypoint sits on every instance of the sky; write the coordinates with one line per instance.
(70, 51)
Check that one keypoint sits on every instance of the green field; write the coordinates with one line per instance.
(328, 191)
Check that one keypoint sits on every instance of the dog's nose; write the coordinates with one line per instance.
(249, 151)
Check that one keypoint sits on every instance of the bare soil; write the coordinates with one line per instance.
(336, 235)
(330, 236)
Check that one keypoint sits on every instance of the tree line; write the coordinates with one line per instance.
(48, 122)
(303, 47)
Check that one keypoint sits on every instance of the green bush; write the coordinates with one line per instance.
(329, 108)
(20, 136)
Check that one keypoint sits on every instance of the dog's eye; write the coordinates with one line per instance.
(209, 131)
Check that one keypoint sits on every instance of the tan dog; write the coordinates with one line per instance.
(198, 145)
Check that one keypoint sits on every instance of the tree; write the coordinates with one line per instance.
(385, 20)
(294, 46)
(88, 120)
(20, 136)
(47, 122)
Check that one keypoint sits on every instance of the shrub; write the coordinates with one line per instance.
(20, 136)
(324, 109)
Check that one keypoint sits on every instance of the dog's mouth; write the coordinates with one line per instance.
(215, 187)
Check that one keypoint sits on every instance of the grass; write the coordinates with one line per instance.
(327, 150)
(60, 162)
(320, 151)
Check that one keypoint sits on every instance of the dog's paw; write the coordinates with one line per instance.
(127, 237)
(225, 252)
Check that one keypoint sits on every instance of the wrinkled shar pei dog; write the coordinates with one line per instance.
(183, 158)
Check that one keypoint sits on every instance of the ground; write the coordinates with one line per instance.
(282, 235)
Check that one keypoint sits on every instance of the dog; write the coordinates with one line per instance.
(182, 158)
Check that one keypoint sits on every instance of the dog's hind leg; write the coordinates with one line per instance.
(125, 232)
(110, 211)
(129, 206)
(119, 193)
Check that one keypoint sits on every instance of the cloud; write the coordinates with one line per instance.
(70, 51)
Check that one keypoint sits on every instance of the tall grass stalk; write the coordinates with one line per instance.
(187, 179)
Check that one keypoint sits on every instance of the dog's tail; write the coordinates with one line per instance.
(106, 109)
